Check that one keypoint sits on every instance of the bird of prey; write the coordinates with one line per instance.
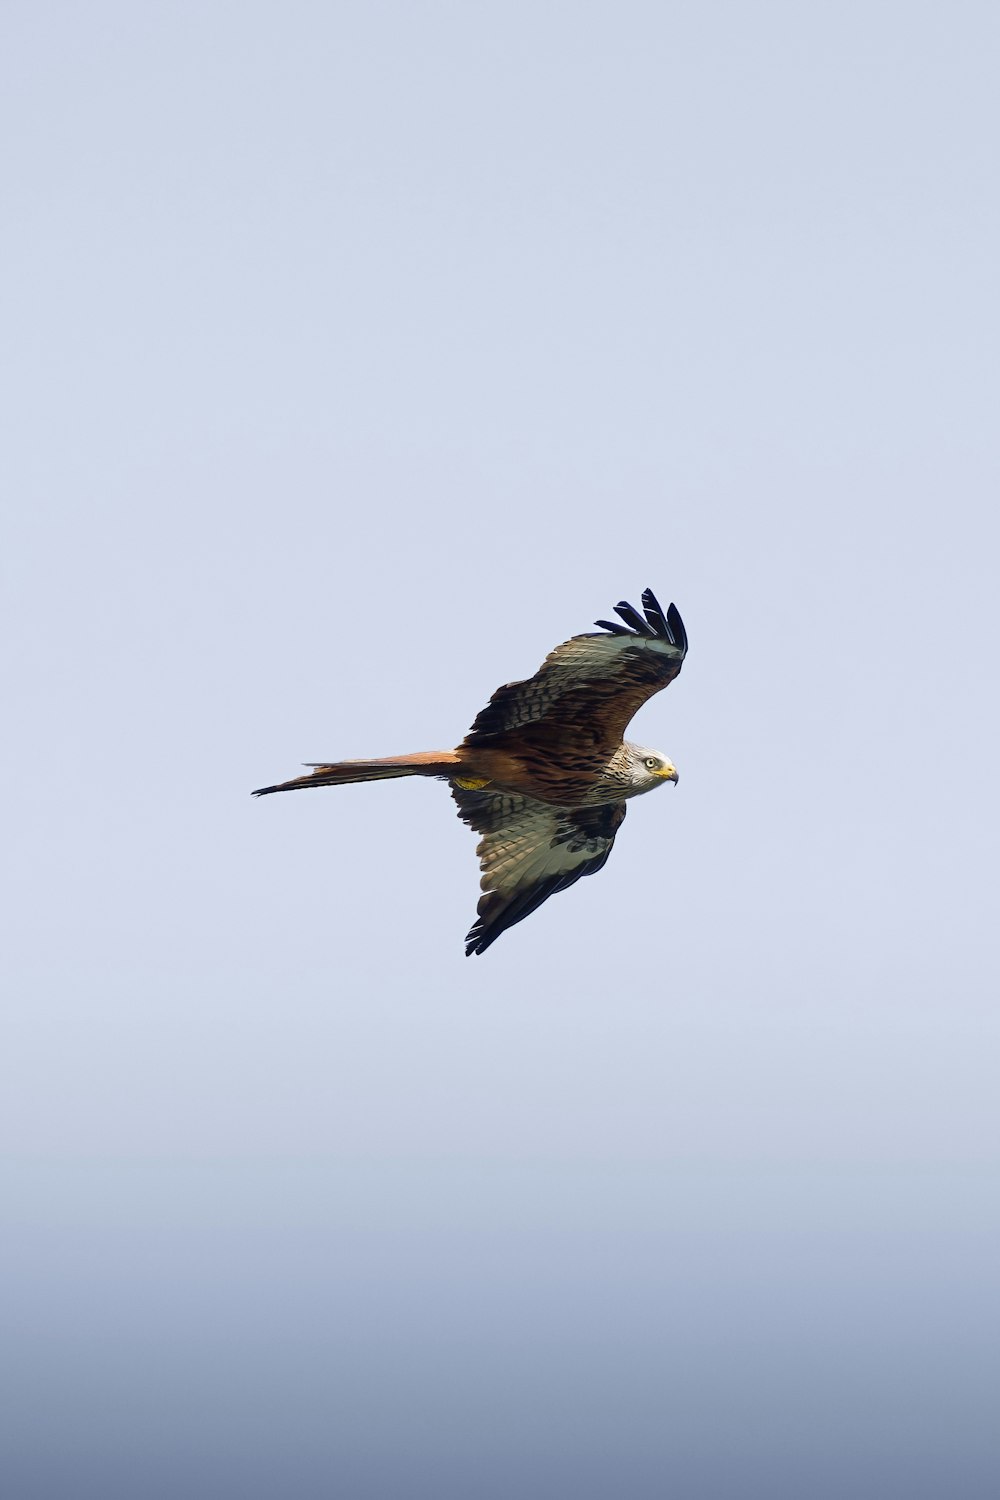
(544, 774)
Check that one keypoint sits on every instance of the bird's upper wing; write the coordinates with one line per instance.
(594, 680)
(530, 850)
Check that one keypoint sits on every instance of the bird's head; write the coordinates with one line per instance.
(650, 768)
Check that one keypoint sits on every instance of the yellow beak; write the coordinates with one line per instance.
(668, 773)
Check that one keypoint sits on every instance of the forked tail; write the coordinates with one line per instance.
(341, 772)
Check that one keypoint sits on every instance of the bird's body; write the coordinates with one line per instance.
(586, 777)
(544, 773)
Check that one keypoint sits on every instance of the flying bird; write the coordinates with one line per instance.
(545, 772)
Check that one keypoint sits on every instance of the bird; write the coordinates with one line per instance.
(545, 774)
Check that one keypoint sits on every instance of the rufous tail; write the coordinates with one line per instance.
(341, 772)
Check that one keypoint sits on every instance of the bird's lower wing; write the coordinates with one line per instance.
(530, 850)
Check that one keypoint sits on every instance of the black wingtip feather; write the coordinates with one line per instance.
(676, 625)
(664, 625)
(486, 930)
(632, 617)
(654, 614)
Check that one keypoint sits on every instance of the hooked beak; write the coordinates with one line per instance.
(669, 773)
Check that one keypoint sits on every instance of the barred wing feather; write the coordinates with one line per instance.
(530, 850)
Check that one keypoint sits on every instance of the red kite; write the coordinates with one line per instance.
(544, 773)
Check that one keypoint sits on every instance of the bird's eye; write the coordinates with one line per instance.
(650, 763)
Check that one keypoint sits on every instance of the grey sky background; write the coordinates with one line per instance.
(354, 356)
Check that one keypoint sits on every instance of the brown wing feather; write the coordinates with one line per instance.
(530, 850)
(592, 685)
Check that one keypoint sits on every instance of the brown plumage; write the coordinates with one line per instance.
(544, 773)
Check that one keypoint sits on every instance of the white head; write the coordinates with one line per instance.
(650, 768)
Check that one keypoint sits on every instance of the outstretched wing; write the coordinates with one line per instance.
(597, 680)
(530, 850)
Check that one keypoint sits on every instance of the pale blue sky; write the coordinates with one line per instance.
(353, 357)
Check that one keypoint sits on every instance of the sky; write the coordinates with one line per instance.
(353, 356)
